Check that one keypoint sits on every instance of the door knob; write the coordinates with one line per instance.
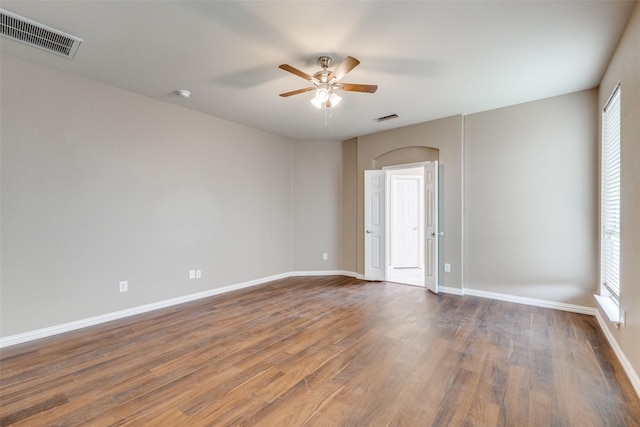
(434, 234)
(369, 231)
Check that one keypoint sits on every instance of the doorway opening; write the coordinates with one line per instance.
(405, 225)
(401, 224)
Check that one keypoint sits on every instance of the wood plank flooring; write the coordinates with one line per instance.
(323, 351)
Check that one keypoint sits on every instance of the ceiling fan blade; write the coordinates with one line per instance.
(357, 88)
(297, 72)
(295, 92)
(341, 70)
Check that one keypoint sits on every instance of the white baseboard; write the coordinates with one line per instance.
(323, 273)
(449, 290)
(96, 320)
(83, 323)
(626, 365)
(531, 301)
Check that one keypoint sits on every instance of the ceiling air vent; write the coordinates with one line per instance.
(389, 117)
(35, 34)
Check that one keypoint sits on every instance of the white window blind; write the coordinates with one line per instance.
(610, 194)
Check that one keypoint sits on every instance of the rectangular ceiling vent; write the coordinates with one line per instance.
(385, 118)
(35, 34)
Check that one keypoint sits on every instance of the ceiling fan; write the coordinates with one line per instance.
(326, 82)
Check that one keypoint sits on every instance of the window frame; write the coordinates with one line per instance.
(610, 211)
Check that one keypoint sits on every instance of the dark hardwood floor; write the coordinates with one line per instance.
(324, 351)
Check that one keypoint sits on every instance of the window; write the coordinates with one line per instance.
(610, 199)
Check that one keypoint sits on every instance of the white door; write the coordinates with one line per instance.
(404, 220)
(431, 226)
(374, 209)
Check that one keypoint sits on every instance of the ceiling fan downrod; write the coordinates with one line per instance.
(324, 61)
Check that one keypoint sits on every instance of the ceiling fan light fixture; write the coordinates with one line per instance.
(334, 99)
(321, 97)
(322, 94)
(316, 103)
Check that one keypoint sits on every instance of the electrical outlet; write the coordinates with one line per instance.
(198, 274)
(325, 256)
(192, 274)
(123, 286)
(447, 268)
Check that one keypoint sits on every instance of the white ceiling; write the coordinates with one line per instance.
(429, 59)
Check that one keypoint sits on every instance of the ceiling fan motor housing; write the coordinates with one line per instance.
(321, 76)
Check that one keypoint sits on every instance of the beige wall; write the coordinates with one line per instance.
(445, 135)
(625, 68)
(317, 169)
(101, 185)
(349, 209)
(530, 199)
(529, 225)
